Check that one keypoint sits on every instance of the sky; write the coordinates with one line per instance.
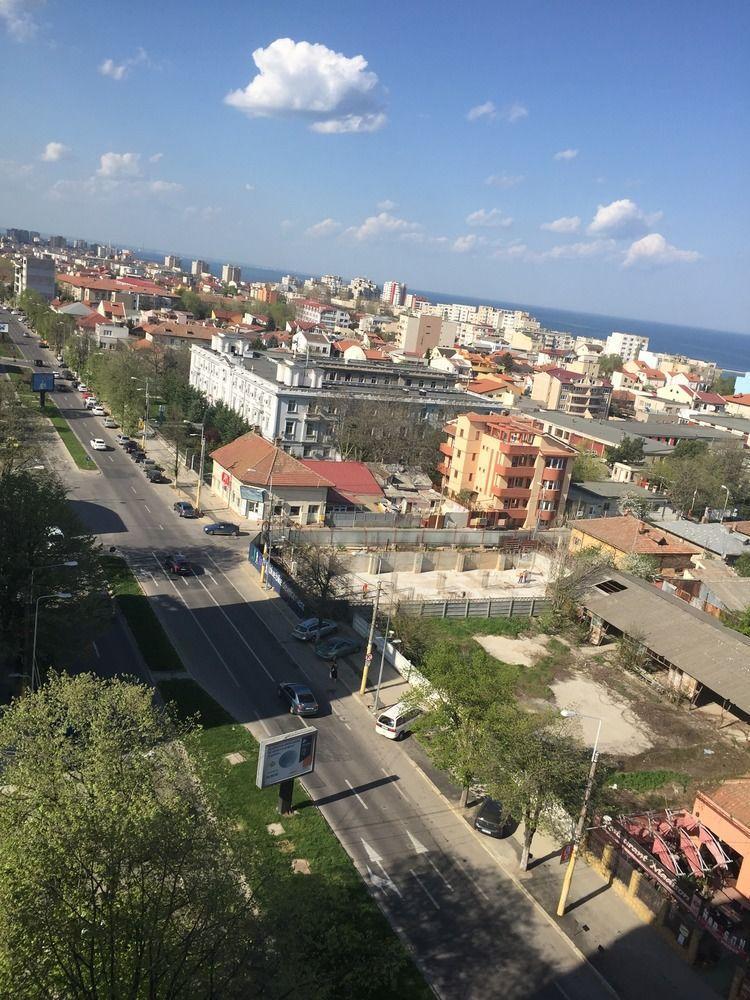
(581, 155)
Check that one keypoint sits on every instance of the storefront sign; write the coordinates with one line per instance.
(226, 480)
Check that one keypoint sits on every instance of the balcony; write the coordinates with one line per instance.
(445, 448)
(546, 515)
(444, 468)
(554, 475)
(511, 492)
(520, 471)
(508, 448)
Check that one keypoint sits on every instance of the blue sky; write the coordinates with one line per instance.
(581, 155)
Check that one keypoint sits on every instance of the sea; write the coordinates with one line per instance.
(730, 351)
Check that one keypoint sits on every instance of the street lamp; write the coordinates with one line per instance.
(61, 595)
(134, 378)
(202, 458)
(569, 713)
(726, 501)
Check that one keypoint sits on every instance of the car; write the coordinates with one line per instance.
(184, 508)
(122, 438)
(396, 721)
(492, 820)
(98, 411)
(333, 649)
(314, 628)
(300, 699)
(178, 565)
(91, 402)
(98, 444)
(138, 456)
(155, 476)
(82, 387)
(222, 528)
(87, 395)
(110, 422)
(40, 364)
(152, 463)
(129, 447)
(67, 373)
(43, 343)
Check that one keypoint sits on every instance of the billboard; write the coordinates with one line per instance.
(3, 327)
(287, 756)
(42, 382)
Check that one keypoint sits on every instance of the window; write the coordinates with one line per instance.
(313, 509)
(291, 406)
(289, 428)
(294, 511)
(611, 586)
(471, 476)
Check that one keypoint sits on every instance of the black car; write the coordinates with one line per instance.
(138, 456)
(178, 565)
(155, 476)
(222, 528)
(40, 364)
(130, 447)
(184, 508)
(492, 820)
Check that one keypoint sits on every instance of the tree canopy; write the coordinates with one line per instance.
(588, 468)
(629, 450)
(609, 363)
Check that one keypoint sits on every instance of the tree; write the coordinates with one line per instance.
(570, 574)
(634, 504)
(724, 384)
(372, 431)
(639, 564)
(588, 468)
(20, 432)
(689, 448)
(742, 566)
(609, 363)
(629, 450)
(696, 481)
(533, 766)
(738, 620)
(117, 879)
(322, 577)
(462, 689)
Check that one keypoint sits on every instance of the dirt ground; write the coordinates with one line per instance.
(622, 732)
(523, 650)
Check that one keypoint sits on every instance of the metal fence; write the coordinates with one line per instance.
(371, 519)
(396, 537)
(500, 607)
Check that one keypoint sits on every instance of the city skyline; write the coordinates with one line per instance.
(316, 148)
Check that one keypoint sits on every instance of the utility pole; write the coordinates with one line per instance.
(581, 825)
(370, 638)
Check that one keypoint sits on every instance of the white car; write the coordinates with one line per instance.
(99, 411)
(98, 444)
(122, 438)
(110, 422)
(82, 387)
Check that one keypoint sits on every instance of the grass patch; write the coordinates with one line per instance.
(467, 628)
(153, 642)
(9, 350)
(325, 924)
(31, 399)
(647, 781)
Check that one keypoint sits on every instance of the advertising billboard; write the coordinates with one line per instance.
(3, 327)
(42, 382)
(287, 756)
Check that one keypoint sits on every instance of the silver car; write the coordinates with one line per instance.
(314, 629)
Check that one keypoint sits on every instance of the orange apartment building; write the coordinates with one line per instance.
(512, 472)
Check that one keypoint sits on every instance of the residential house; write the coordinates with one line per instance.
(738, 404)
(108, 335)
(625, 536)
(309, 341)
(571, 392)
(353, 486)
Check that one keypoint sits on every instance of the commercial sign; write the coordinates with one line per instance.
(226, 479)
(3, 327)
(253, 493)
(42, 382)
(290, 755)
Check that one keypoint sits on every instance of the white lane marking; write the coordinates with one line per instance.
(134, 489)
(380, 882)
(209, 640)
(110, 458)
(162, 527)
(241, 637)
(209, 573)
(357, 795)
(425, 890)
(146, 508)
(562, 991)
(184, 580)
(417, 846)
(375, 859)
(394, 784)
(471, 878)
(96, 650)
(445, 880)
(370, 851)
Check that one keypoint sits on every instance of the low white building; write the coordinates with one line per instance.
(627, 345)
(109, 335)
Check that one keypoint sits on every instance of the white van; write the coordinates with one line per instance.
(395, 721)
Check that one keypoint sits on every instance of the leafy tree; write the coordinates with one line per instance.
(742, 566)
(629, 450)
(695, 482)
(322, 577)
(689, 448)
(724, 384)
(570, 574)
(609, 363)
(191, 302)
(117, 879)
(372, 431)
(644, 566)
(634, 504)
(20, 432)
(588, 468)
(462, 690)
(738, 620)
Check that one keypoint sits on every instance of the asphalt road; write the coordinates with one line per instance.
(474, 933)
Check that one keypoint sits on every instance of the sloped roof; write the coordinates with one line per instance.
(257, 462)
(629, 534)
(352, 480)
(733, 798)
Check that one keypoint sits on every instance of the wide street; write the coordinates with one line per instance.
(472, 930)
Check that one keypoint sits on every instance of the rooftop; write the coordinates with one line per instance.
(611, 489)
(629, 534)
(733, 798)
(352, 480)
(257, 462)
(713, 537)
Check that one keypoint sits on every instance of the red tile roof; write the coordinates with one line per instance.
(629, 534)
(733, 798)
(352, 480)
(740, 398)
(257, 462)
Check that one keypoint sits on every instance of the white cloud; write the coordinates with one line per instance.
(621, 218)
(287, 224)
(486, 110)
(514, 112)
(513, 251)
(504, 180)
(464, 243)
(653, 250)
(119, 165)
(326, 227)
(384, 224)
(13, 170)
(18, 16)
(386, 205)
(164, 187)
(565, 224)
(155, 157)
(566, 154)
(118, 71)
(334, 92)
(575, 251)
(205, 213)
(492, 218)
(249, 187)
(54, 151)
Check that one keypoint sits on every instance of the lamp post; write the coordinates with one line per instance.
(70, 564)
(60, 595)
(386, 636)
(202, 460)
(370, 637)
(726, 502)
(569, 713)
(135, 378)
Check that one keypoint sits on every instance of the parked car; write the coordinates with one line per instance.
(98, 444)
(155, 476)
(98, 411)
(222, 528)
(151, 463)
(492, 820)
(82, 387)
(184, 508)
(40, 364)
(178, 565)
(61, 387)
(90, 403)
(300, 699)
(138, 456)
(129, 447)
(334, 649)
(123, 439)
(395, 722)
(110, 422)
(314, 628)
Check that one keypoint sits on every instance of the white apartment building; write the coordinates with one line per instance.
(108, 335)
(419, 334)
(172, 262)
(627, 345)
(198, 267)
(327, 316)
(394, 293)
(363, 288)
(333, 281)
(35, 274)
(230, 274)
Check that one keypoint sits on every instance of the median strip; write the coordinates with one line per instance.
(31, 400)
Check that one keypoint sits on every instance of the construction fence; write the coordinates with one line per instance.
(501, 607)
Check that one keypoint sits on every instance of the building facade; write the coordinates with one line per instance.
(230, 274)
(571, 392)
(627, 345)
(505, 468)
(35, 274)
(420, 334)
(198, 267)
(394, 293)
(323, 315)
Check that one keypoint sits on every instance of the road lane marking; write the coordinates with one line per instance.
(134, 489)
(162, 527)
(562, 991)
(209, 640)
(471, 878)
(381, 882)
(146, 507)
(209, 573)
(96, 650)
(445, 880)
(388, 774)
(418, 847)
(425, 890)
(357, 795)
(110, 458)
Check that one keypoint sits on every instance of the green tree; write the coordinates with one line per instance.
(634, 504)
(629, 450)
(20, 432)
(696, 481)
(463, 685)
(738, 620)
(609, 363)
(689, 448)
(587, 468)
(742, 566)
(117, 879)
(644, 566)
(724, 384)
(570, 574)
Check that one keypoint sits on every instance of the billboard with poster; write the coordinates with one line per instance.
(42, 382)
(287, 756)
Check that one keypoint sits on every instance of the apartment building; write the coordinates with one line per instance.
(394, 293)
(572, 392)
(363, 288)
(627, 345)
(321, 314)
(512, 472)
(172, 262)
(35, 274)
(231, 275)
(420, 334)
(297, 400)
(199, 267)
